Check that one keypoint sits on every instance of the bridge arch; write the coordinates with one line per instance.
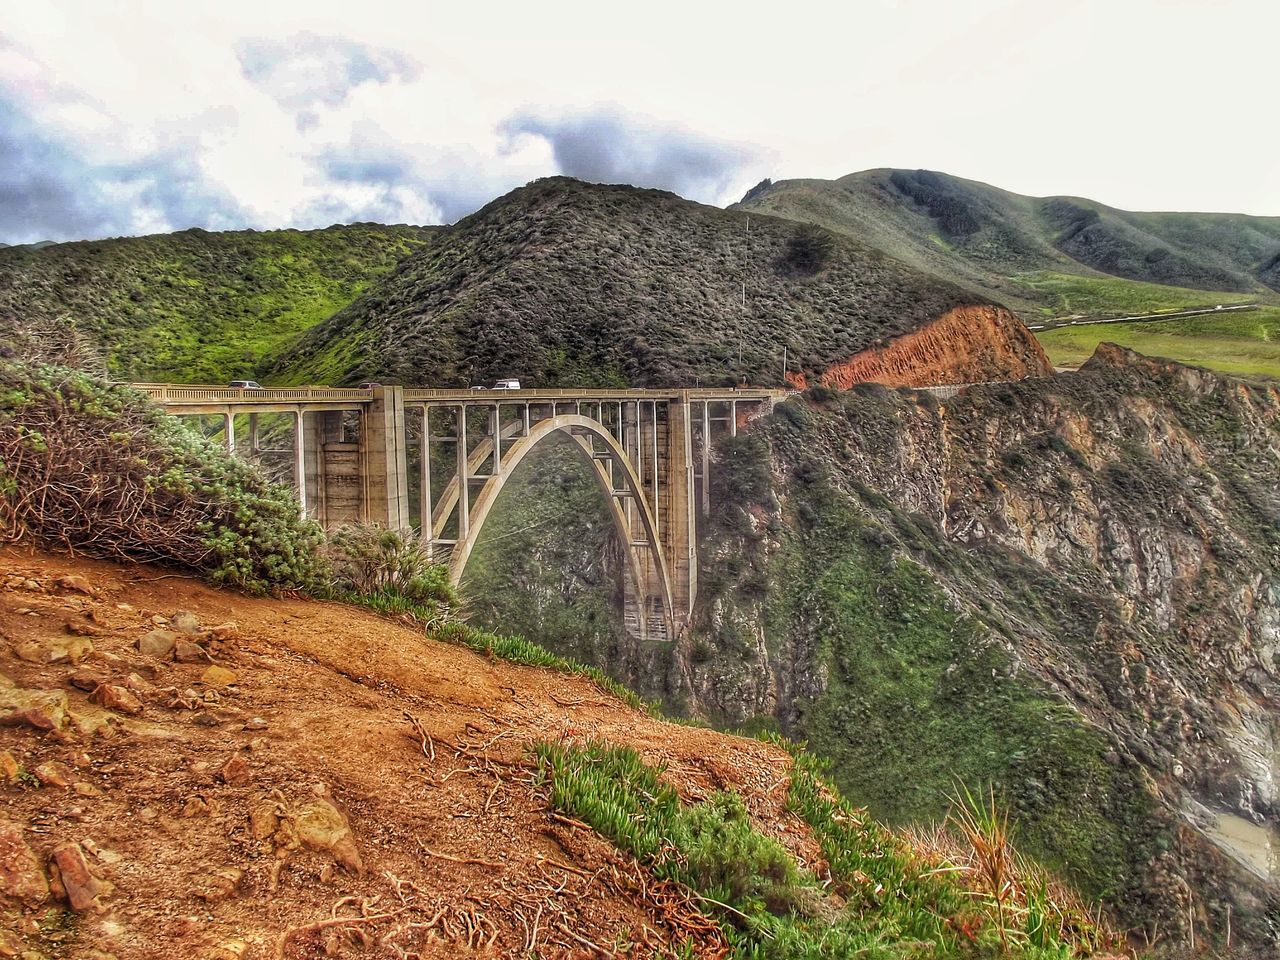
(585, 431)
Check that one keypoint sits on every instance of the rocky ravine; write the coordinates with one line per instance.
(1067, 586)
(1109, 540)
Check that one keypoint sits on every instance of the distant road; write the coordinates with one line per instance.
(1140, 318)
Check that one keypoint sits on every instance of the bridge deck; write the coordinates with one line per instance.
(194, 395)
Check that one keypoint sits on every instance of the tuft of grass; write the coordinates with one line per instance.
(880, 898)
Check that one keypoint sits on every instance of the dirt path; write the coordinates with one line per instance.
(230, 816)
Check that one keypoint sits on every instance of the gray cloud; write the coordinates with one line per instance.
(402, 187)
(305, 71)
(49, 191)
(607, 145)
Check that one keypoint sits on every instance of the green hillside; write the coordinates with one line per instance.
(1005, 245)
(196, 306)
(1244, 344)
(564, 282)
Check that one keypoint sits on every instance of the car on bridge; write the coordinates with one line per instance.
(507, 385)
(245, 385)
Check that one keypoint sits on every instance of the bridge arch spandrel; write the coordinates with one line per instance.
(584, 430)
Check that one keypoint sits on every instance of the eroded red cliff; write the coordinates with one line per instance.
(964, 345)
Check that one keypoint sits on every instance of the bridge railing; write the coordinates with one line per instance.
(173, 393)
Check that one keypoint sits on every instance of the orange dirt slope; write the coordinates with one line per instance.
(284, 805)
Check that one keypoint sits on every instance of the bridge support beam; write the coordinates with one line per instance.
(386, 472)
(678, 534)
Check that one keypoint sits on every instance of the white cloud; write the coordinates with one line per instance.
(275, 110)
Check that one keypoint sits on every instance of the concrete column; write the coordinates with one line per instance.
(706, 458)
(424, 483)
(653, 466)
(495, 430)
(385, 460)
(299, 452)
(464, 488)
(229, 431)
(679, 536)
(255, 448)
(733, 418)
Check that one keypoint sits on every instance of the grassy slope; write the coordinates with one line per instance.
(563, 282)
(198, 306)
(990, 239)
(1245, 344)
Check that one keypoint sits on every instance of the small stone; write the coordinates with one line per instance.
(207, 718)
(264, 819)
(84, 789)
(76, 584)
(220, 885)
(184, 621)
(125, 607)
(256, 723)
(235, 771)
(82, 628)
(42, 709)
(87, 680)
(223, 632)
(28, 651)
(136, 683)
(159, 621)
(115, 697)
(20, 873)
(53, 774)
(321, 826)
(195, 807)
(11, 944)
(157, 643)
(70, 650)
(9, 767)
(82, 887)
(217, 676)
(185, 651)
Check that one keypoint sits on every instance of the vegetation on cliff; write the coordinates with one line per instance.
(196, 306)
(1047, 586)
(568, 283)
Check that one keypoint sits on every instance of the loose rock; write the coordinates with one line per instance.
(77, 584)
(217, 676)
(321, 826)
(157, 643)
(187, 652)
(235, 771)
(184, 621)
(82, 887)
(9, 767)
(20, 873)
(42, 709)
(115, 697)
(53, 774)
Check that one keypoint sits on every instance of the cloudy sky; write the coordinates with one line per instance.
(125, 118)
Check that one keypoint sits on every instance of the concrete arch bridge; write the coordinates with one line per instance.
(439, 460)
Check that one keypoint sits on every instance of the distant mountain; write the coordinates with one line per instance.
(565, 282)
(1039, 255)
(197, 306)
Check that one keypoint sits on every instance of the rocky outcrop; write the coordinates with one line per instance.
(965, 345)
(1110, 538)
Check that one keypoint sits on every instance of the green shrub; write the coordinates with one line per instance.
(98, 468)
(373, 561)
